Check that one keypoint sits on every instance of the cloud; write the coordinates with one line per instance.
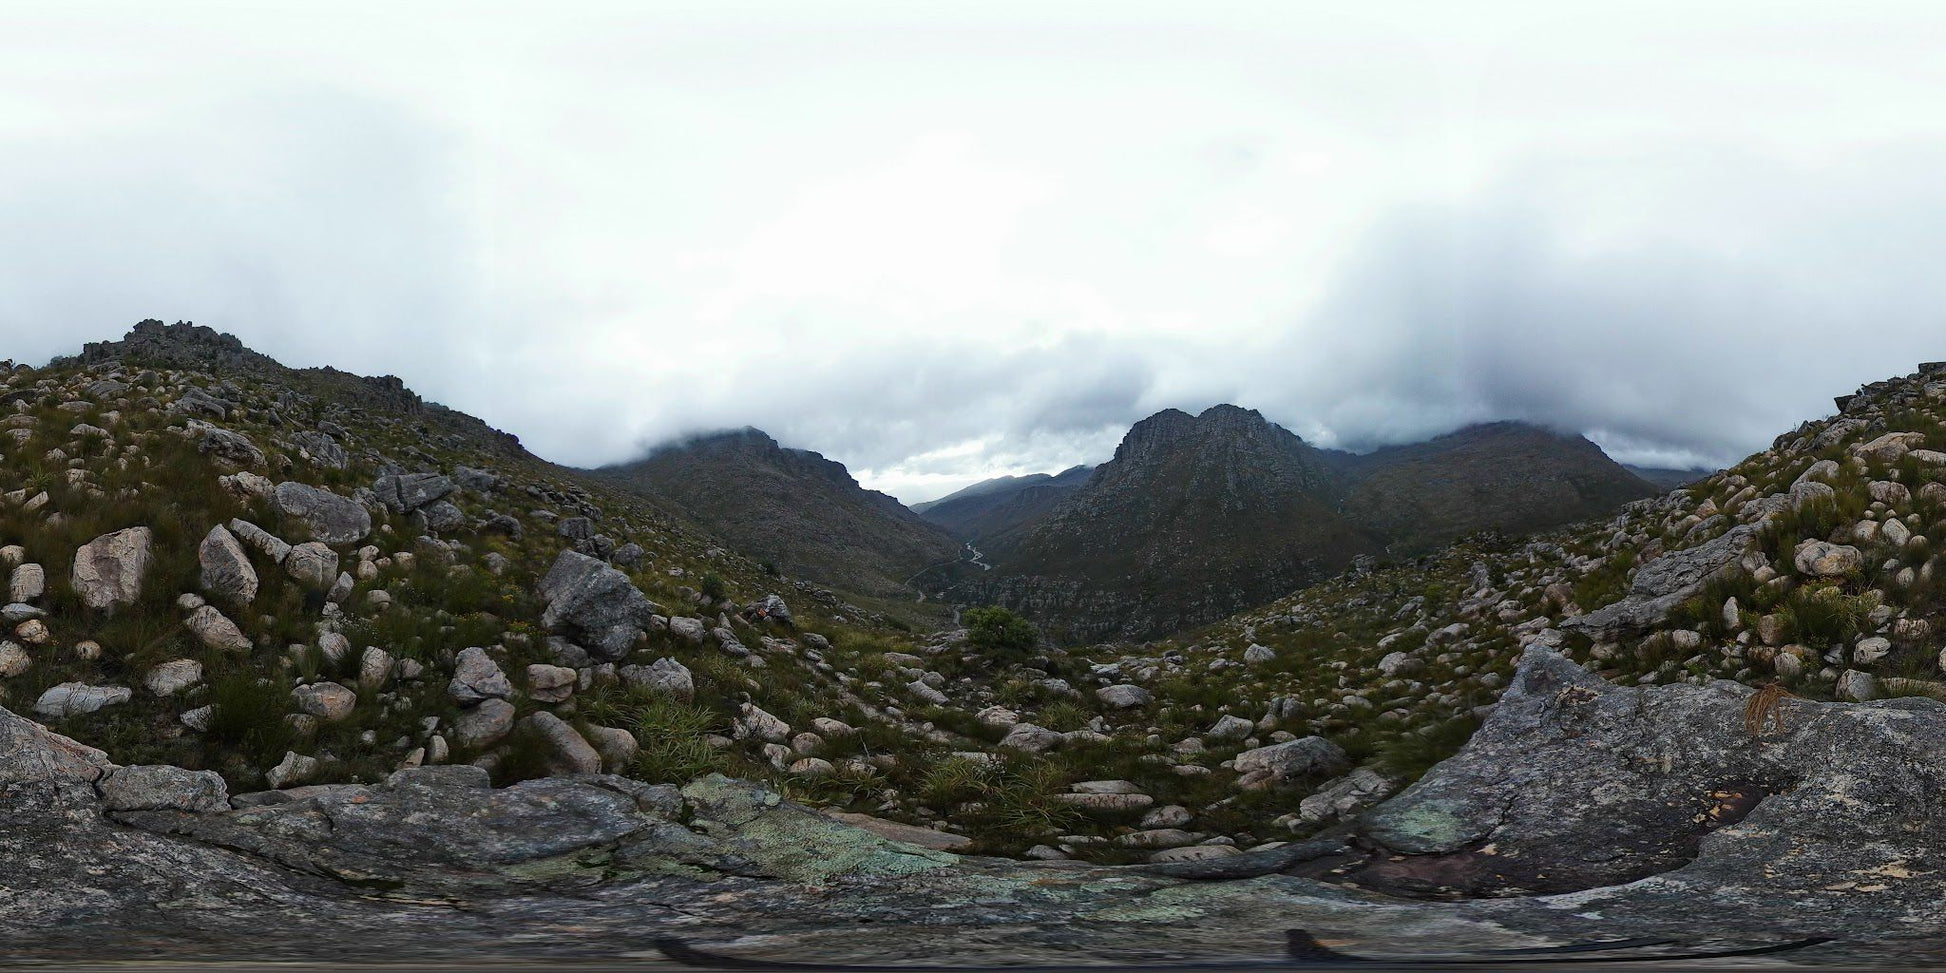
(985, 241)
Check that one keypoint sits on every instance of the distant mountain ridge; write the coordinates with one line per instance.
(1197, 517)
(792, 507)
(992, 510)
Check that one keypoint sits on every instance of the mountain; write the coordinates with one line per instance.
(1504, 476)
(1201, 516)
(1667, 478)
(991, 511)
(793, 508)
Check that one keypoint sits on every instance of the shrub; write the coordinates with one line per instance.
(999, 634)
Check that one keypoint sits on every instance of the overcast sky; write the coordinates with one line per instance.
(945, 241)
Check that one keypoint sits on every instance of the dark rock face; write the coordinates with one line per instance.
(794, 508)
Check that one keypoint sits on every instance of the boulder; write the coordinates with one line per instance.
(476, 677)
(484, 725)
(1823, 559)
(291, 771)
(617, 747)
(663, 675)
(689, 629)
(172, 677)
(108, 570)
(27, 583)
(327, 701)
(550, 684)
(265, 543)
(163, 788)
(405, 492)
(1123, 696)
(1279, 763)
(226, 571)
(73, 698)
(1662, 584)
(567, 752)
(313, 565)
(594, 605)
(215, 630)
(330, 518)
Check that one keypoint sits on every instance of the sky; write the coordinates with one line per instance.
(942, 241)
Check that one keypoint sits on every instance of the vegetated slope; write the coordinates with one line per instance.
(1201, 516)
(1667, 478)
(992, 512)
(793, 508)
(1503, 476)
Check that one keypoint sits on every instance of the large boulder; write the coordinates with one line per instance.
(664, 675)
(594, 605)
(1574, 784)
(405, 492)
(74, 698)
(1664, 583)
(477, 677)
(567, 752)
(330, 518)
(226, 571)
(108, 570)
(312, 564)
(1300, 759)
(163, 788)
(1822, 559)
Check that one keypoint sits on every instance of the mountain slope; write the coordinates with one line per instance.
(1194, 517)
(793, 508)
(1504, 476)
(1201, 516)
(992, 511)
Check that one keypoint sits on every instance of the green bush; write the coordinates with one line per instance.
(999, 634)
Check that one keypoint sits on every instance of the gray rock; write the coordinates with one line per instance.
(484, 725)
(689, 629)
(330, 518)
(327, 701)
(291, 771)
(594, 605)
(405, 492)
(550, 684)
(568, 753)
(1822, 559)
(663, 675)
(1664, 583)
(163, 788)
(265, 543)
(618, 747)
(1293, 760)
(27, 583)
(215, 630)
(108, 570)
(1124, 696)
(477, 677)
(174, 676)
(375, 667)
(313, 565)
(226, 571)
(442, 517)
(1031, 738)
(74, 698)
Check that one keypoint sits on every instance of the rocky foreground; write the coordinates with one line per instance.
(1579, 812)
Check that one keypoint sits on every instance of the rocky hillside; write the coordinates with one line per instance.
(793, 509)
(1198, 517)
(274, 580)
(993, 512)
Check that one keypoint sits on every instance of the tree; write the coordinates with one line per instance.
(999, 633)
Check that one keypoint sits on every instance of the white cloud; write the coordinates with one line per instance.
(951, 241)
